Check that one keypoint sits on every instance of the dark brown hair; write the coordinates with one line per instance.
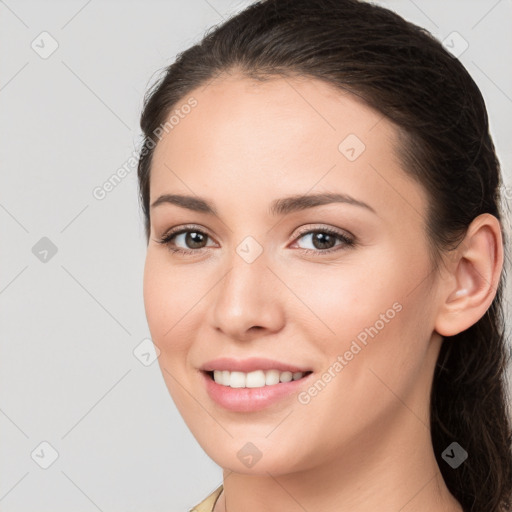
(403, 72)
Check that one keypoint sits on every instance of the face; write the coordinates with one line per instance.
(335, 289)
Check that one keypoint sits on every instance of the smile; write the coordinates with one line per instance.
(250, 392)
(254, 379)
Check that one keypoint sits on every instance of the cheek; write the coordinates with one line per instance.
(345, 299)
(371, 315)
(169, 299)
(383, 335)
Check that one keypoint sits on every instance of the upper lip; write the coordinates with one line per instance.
(250, 365)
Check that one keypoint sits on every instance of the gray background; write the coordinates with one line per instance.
(70, 324)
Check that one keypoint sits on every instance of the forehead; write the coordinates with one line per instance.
(245, 140)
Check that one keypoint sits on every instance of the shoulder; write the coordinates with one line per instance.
(209, 502)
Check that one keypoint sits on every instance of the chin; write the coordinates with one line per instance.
(257, 457)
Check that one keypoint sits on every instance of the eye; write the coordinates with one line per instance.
(324, 241)
(191, 236)
(194, 239)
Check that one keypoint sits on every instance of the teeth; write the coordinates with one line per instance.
(286, 376)
(272, 377)
(256, 379)
(237, 380)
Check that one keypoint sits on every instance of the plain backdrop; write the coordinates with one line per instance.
(77, 395)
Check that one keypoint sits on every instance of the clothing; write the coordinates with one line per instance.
(209, 502)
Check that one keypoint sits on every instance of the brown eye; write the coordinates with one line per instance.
(194, 239)
(189, 240)
(324, 241)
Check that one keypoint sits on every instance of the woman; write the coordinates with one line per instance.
(325, 263)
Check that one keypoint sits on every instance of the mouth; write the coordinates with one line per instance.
(255, 383)
(254, 379)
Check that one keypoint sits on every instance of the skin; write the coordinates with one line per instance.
(363, 442)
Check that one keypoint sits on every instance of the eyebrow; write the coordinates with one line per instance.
(281, 206)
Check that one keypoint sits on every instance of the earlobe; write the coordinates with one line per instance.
(474, 274)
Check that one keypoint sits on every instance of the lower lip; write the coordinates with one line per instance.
(251, 399)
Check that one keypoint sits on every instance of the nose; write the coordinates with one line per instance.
(249, 300)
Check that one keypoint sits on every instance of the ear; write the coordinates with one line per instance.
(474, 271)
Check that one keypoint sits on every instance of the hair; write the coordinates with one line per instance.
(403, 72)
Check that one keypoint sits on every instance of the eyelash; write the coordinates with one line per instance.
(170, 235)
